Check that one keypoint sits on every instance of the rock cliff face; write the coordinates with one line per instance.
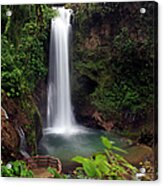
(9, 136)
(19, 113)
(40, 97)
(106, 47)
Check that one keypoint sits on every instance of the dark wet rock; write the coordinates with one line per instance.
(9, 138)
(139, 153)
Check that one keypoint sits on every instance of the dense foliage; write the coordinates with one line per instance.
(114, 59)
(24, 57)
(24, 63)
(108, 165)
(16, 169)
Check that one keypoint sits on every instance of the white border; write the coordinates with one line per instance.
(50, 182)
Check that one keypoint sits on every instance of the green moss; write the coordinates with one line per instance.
(120, 63)
(24, 44)
(34, 128)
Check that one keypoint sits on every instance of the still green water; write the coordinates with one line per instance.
(65, 147)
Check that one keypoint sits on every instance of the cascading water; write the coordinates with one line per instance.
(62, 137)
(60, 118)
(23, 144)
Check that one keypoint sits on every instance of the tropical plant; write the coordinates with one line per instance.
(118, 72)
(55, 174)
(16, 169)
(24, 45)
(107, 165)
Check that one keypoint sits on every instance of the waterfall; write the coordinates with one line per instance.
(23, 144)
(5, 113)
(60, 118)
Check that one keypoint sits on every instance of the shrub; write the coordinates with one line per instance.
(16, 169)
(107, 165)
(24, 47)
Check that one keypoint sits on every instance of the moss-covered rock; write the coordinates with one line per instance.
(25, 114)
(9, 138)
(113, 60)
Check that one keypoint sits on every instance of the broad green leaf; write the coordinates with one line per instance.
(106, 142)
(99, 158)
(79, 159)
(104, 167)
(89, 168)
(98, 173)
